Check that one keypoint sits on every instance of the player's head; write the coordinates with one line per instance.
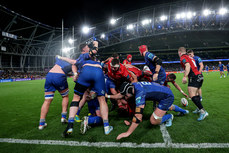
(171, 77)
(115, 55)
(142, 49)
(115, 64)
(129, 57)
(181, 51)
(84, 48)
(190, 53)
(127, 89)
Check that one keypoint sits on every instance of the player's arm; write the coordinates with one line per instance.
(135, 122)
(116, 96)
(186, 72)
(201, 67)
(179, 88)
(74, 71)
(71, 61)
(158, 63)
(133, 77)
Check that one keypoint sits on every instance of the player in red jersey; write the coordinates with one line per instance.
(128, 59)
(195, 80)
(142, 75)
(118, 72)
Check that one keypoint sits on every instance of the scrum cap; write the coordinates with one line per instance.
(142, 49)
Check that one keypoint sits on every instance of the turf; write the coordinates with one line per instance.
(20, 104)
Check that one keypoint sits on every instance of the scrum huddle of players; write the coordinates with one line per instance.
(127, 87)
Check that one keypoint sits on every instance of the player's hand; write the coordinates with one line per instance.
(58, 56)
(95, 43)
(122, 135)
(127, 122)
(75, 76)
(186, 95)
(155, 77)
(184, 80)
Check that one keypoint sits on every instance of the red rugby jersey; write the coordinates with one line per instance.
(126, 62)
(119, 75)
(186, 59)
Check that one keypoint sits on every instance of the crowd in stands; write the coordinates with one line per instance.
(6, 74)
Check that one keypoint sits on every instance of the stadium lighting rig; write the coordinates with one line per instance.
(102, 36)
(163, 18)
(130, 27)
(185, 15)
(85, 29)
(113, 21)
(223, 11)
(146, 21)
(71, 41)
(206, 12)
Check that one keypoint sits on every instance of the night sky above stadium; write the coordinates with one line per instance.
(78, 12)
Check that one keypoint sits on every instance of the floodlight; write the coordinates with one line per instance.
(85, 29)
(70, 41)
(146, 21)
(102, 36)
(182, 15)
(130, 27)
(113, 21)
(223, 11)
(163, 18)
(206, 12)
(189, 15)
(178, 16)
(67, 49)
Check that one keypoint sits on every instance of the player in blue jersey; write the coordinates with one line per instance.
(91, 75)
(56, 79)
(221, 70)
(154, 63)
(206, 69)
(213, 68)
(227, 69)
(200, 67)
(143, 91)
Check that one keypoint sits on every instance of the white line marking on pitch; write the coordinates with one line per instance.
(165, 134)
(116, 144)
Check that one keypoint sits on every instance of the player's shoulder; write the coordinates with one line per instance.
(149, 55)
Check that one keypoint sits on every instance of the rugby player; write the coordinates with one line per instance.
(56, 79)
(91, 75)
(171, 78)
(128, 59)
(221, 69)
(143, 91)
(227, 69)
(200, 67)
(207, 69)
(154, 63)
(195, 80)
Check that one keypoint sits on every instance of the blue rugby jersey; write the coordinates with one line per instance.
(150, 91)
(152, 66)
(198, 60)
(65, 66)
(221, 67)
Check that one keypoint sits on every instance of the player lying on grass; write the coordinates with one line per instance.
(143, 91)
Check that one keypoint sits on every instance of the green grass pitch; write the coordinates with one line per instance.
(20, 104)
